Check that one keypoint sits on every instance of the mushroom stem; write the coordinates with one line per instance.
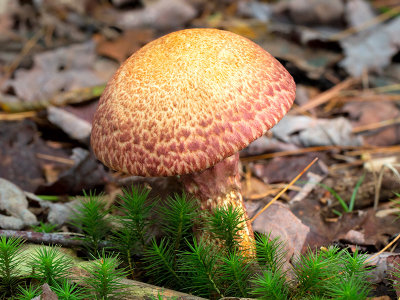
(219, 186)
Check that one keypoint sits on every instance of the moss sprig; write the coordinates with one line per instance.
(10, 260)
(90, 216)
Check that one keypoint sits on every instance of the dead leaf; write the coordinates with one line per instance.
(315, 11)
(393, 263)
(63, 69)
(280, 222)
(254, 187)
(336, 131)
(7, 8)
(313, 61)
(358, 12)
(84, 111)
(125, 45)
(284, 169)
(158, 14)
(266, 144)
(308, 132)
(86, 173)
(14, 203)
(75, 127)
(255, 9)
(312, 182)
(363, 113)
(372, 50)
(18, 162)
(47, 294)
(51, 172)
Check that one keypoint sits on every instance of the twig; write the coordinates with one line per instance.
(384, 249)
(376, 125)
(370, 97)
(327, 95)
(346, 165)
(25, 50)
(284, 190)
(379, 181)
(65, 240)
(371, 150)
(378, 19)
(58, 159)
(297, 152)
(314, 180)
(384, 3)
(269, 192)
(354, 151)
(17, 116)
(376, 90)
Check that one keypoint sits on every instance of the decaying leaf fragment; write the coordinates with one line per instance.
(14, 203)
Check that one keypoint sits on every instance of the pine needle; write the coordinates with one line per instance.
(284, 190)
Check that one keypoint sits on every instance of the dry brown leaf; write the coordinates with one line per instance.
(63, 69)
(125, 45)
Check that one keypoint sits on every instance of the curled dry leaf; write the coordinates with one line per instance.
(75, 127)
(86, 173)
(372, 51)
(47, 294)
(18, 162)
(159, 14)
(58, 213)
(315, 11)
(312, 61)
(124, 45)
(63, 69)
(358, 12)
(363, 113)
(266, 144)
(280, 222)
(285, 168)
(14, 203)
(310, 132)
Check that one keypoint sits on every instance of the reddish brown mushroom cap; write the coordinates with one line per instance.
(186, 101)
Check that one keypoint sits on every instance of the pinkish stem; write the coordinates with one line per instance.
(219, 186)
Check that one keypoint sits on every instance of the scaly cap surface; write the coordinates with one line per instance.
(186, 101)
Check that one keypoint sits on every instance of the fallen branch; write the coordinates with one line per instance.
(64, 239)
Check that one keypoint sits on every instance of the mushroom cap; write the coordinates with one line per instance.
(186, 101)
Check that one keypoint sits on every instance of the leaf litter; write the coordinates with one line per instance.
(343, 56)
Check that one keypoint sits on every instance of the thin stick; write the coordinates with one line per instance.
(377, 90)
(378, 184)
(297, 151)
(354, 151)
(17, 116)
(371, 150)
(58, 159)
(370, 97)
(327, 95)
(384, 249)
(284, 190)
(376, 125)
(63, 239)
(24, 52)
(379, 19)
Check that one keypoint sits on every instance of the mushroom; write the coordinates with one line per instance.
(185, 104)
